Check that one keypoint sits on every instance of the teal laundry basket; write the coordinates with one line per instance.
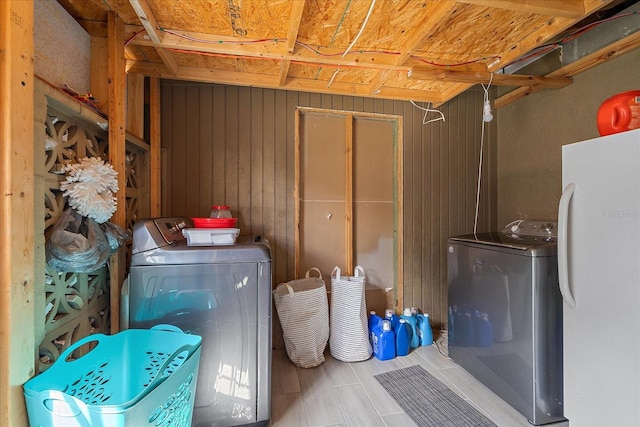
(138, 377)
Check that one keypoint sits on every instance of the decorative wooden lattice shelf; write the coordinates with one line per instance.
(78, 304)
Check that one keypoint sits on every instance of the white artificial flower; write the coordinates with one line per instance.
(90, 188)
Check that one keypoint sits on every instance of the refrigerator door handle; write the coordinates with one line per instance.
(563, 260)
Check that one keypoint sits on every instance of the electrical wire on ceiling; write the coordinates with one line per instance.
(428, 110)
(335, 33)
(486, 117)
(471, 61)
(314, 50)
(364, 24)
(534, 53)
(335, 73)
(133, 36)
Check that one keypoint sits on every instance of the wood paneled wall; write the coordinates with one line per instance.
(235, 145)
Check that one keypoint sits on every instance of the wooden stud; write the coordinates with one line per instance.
(135, 105)
(348, 194)
(117, 150)
(17, 322)
(156, 147)
(99, 70)
(296, 195)
(399, 232)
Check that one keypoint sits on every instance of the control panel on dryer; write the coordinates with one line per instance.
(171, 228)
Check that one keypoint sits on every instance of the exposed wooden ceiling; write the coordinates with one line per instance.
(421, 50)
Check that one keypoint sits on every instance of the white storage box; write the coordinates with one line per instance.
(210, 236)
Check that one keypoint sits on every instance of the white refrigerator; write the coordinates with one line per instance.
(599, 275)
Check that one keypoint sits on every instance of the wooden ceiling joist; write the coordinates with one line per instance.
(274, 82)
(498, 79)
(572, 9)
(151, 25)
(271, 49)
(294, 24)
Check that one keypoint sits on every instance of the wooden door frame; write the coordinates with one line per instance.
(397, 189)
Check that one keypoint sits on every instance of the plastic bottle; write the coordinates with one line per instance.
(391, 316)
(483, 330)
(384, 341)
(403, 338)
(219, 211)
(619, 113)
(374, 324)
(424, 329)
(413, 323)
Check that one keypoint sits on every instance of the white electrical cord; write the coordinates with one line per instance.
(484, 117)
(427, 111)
(373, 2)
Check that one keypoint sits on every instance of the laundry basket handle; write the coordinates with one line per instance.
(358, 269)
(159, 378)
(336, 271)
(82, 341)
(313, 269)
(168, 328)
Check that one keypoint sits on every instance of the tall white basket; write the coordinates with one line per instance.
(349, 337)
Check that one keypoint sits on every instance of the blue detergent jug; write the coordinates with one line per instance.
(384, 341)
(391, 316)
(374, 323)
(403, 338)
(413, 323)
(424, 329)
(374, 319)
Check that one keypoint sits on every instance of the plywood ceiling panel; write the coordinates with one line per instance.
(364, 47)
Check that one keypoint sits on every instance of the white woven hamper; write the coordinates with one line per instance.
(304, 316)
(349, 338)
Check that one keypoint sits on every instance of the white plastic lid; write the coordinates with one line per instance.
(386, 325)
(388, 312)
(407, 311)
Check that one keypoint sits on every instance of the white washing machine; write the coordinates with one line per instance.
(222, 293)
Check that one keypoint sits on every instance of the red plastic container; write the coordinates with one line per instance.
(619, 113)
(214, 222)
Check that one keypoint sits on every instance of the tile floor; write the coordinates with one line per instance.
(346, 394)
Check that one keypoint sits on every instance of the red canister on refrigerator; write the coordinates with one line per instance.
(619, 113)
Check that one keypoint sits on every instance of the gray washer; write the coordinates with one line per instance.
(512, 280)
(222, 293)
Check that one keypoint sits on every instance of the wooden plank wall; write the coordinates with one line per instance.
(235, 145)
